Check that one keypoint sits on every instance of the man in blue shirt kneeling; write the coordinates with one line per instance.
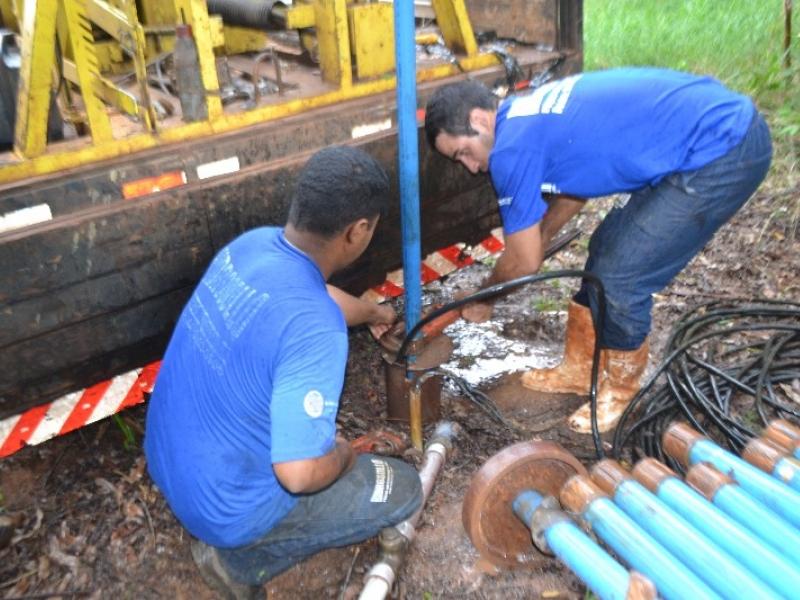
(688, 151)
(241, 427)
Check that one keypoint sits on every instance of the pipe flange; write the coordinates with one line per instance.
(487, 513)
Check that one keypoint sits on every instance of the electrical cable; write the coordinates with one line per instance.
(724, 360)
(477, 397)
(598, 320)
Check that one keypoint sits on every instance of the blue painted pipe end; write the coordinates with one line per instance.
(525, 505)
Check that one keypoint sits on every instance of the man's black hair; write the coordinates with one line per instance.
(449, 107)
(338, 186)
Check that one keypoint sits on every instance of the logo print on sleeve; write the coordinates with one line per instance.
(549, 99)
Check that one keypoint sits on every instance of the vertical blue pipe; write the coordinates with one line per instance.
(775, 495)
(673, 580)
(608, 579)
(725, 575)
(771, 528)
(408, 157)
(748, 549)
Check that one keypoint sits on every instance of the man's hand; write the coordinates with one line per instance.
(356, 311)
(382, 320)
(475, 312)
(478, 312)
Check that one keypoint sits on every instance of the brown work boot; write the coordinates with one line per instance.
(618, 386)
(217, 578)
(573, 375)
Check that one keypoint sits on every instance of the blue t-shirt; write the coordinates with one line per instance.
(252, 376)
(606, 132)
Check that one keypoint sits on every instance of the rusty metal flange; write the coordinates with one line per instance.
(499, 536)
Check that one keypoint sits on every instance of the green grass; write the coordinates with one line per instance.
(544, 305)
(740, 42)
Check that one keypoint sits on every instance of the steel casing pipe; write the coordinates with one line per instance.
(724, 574)
(553, 532)
(756, 555)
(773, 459)
(689, 447)
(730, 498)
(785, 435)
(674, 581)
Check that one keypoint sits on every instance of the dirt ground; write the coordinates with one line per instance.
(88, 522)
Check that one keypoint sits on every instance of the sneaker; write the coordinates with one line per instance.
(207, 560)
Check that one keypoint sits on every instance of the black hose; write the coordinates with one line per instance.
(724, 359)
(245, 13)
(598, 320)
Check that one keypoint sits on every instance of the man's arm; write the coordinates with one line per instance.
(356, 311)
(560, 209)
(523, 255)
(313, 474)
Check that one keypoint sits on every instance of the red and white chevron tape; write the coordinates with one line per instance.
(438, 264)
(74, 410)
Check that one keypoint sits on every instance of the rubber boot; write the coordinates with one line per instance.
(623, 372)
(573, 375)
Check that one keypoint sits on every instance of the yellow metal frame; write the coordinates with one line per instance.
(8, 15)
(334, 42)
(35, 76)
(372, 48)
(331, 21)
(453, 21)
(87, 71)
(196, 15)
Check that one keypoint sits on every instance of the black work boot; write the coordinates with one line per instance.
(215, 576)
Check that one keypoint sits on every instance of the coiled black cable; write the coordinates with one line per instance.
(723, 362)
(598, 319)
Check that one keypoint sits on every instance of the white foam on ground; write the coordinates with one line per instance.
(482, 353)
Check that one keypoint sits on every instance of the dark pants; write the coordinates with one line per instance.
(377, 492)
(639, 248)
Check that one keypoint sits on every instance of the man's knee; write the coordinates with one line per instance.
(405, 496)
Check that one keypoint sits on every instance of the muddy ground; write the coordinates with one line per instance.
(88, 521)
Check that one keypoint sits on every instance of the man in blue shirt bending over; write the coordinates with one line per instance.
(688, 151)
(241, 428)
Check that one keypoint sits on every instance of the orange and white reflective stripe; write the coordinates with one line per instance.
(438, 264)
(150, 185)
(74, 410)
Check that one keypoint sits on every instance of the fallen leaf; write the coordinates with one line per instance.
(791, 392)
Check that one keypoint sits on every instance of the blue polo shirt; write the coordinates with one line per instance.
(605, 132)
(251, 377)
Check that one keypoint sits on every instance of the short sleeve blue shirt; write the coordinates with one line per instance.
(607, 132)
(251, 377)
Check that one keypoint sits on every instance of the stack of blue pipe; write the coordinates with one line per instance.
(730, 530)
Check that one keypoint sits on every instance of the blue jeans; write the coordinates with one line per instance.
(377, 492)
(639, 248)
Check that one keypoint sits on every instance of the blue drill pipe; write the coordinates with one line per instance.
(687, 446)
(673, 580)
(767, 564)
(772, 459)
(785, 435)
(408, 158)
(725, 575)
(723, 492)
(553, 532)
